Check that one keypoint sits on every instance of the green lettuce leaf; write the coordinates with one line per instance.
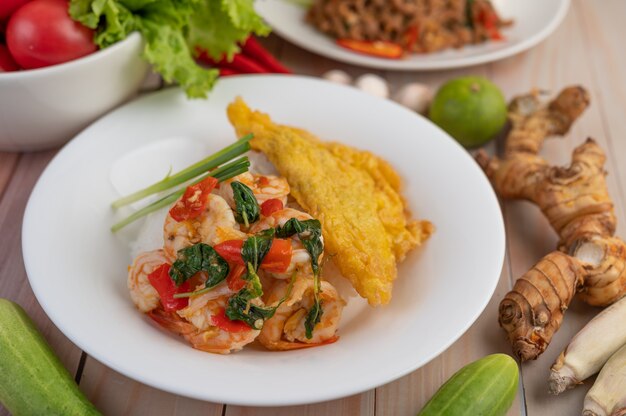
(175, 32)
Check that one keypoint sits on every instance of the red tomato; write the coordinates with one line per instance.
(41, 33)
(271, 206)
(231, 251)
(234, 279)
(165, 286)
(7, 7)
(222, 321)
(276, 260)
(7, 63)
(194, 200)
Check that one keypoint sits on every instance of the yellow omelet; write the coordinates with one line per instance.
(354, 194)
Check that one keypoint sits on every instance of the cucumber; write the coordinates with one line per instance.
(485, 387)
(32, 379)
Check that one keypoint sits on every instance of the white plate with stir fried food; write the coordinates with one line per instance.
(352, 245)
(421, 36)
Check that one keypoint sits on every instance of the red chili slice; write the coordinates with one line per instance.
(194, 200)
(221, 321)
(165, 286)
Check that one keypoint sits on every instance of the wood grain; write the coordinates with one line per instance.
(13, 281)
(587, 49)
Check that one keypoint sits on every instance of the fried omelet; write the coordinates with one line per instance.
(354, 194)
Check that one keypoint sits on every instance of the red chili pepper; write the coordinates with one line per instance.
(225, 72)
(490, 20)
(271, 206)
(231, 251)
(222, 321)
(194, 200)
(234, 280)
(379, 48)
(263, 181)
(254, 49)
(411, 36)
(239, 63)
(165, 286)
(277, 260)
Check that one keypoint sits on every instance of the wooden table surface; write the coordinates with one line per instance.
(587, 49)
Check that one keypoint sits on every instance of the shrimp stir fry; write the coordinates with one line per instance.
(286, 329)
(221, 283)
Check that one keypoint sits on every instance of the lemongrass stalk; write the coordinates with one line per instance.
(236, 149)
(223, 173)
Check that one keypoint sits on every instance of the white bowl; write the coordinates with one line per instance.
(44, 108)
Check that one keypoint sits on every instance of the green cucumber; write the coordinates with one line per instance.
(485, 387)
(32, 379)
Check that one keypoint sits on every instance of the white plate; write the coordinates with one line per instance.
(77, 268)
(534, 21)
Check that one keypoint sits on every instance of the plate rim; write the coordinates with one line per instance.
(416, 65)
(346, 391)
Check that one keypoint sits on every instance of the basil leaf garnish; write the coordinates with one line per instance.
(199, 258)
(247, 208)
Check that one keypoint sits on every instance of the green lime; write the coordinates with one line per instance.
(470, 109)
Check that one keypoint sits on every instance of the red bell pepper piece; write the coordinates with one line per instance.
(256, 51)
(378, 48)
(222, 321)
(271, 206)
(194, 200)
(277, 260)
(165, 286)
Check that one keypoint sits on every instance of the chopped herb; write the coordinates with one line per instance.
(239, 307)
(199, 258)
(255, 248)
(313, 317)
(246, 206)
(310, 234)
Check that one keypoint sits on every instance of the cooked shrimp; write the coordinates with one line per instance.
(286, 331)
(195, 324)
(263, 187)
(299, 257)
(200, 313)
(144, 296)
(216, 224)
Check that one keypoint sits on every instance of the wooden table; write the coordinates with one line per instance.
(587, 49)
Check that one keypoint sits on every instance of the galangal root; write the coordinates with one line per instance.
(576, 202)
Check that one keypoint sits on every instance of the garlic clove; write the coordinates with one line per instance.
(372, 84)
(415, 96)
(338, 76)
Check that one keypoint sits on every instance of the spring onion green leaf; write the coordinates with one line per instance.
(224, 172)
(211, 162)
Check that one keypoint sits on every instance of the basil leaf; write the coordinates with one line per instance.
(246, 206)
(199, 258)
(254, 282)
(239, 308)
(313, 317)
(239, 303)
(255, 248)
(310, 234)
